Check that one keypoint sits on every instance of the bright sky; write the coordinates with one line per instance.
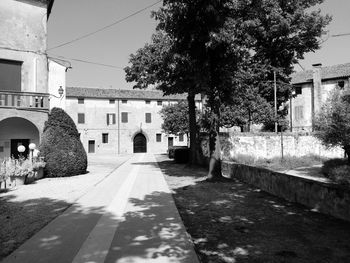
(73, 18)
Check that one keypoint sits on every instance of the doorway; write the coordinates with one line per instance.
(140, 143)
(17, 142)
(170, 141)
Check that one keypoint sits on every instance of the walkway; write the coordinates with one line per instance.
(128, 217)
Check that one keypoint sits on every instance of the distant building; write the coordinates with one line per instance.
(24, 74)
(311, 91)
(114, 121)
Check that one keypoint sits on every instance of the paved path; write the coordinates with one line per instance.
(128, 217)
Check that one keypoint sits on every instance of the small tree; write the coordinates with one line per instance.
(175, 118)
(333, 122)
(61, 146)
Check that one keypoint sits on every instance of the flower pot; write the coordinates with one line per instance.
(18, 180)
(39, 174)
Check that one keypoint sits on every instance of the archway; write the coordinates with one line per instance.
(140, 143)
(16, 131)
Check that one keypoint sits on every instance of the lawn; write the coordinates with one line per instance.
(233, 222)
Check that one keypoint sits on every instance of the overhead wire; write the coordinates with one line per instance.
(88, 62)
(105, 27)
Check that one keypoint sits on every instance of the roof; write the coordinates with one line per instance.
(42, 3)
(122, 94)
(61, 62)
(331, 72)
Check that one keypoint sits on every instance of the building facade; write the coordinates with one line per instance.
(24, 74)
(311, 90)
(121, 121)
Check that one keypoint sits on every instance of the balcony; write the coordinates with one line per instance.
(24, 100)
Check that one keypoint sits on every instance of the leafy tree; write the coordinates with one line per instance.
(175, 117)
(333, 122)
(213, 42)
(61, 147)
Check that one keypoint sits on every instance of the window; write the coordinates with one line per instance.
(148, 118)
(299, 113)
(159, 103)
(104, 137)
(80, 100)
(181, 137)
(111, 101)
(10, 75)
(158, 137)
(298, 90)
(110, 118)
(1, 149)
(124, 117)
(148, 101)
(341, 84)
(91, 148)
(81, 118)
(124, 101)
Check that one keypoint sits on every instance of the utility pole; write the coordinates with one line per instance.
(275, 96)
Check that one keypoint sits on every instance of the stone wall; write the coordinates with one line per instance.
(321, 196)
(268, 145)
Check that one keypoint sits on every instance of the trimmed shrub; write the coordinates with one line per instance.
(171, 150)
(181, 155)
(337, 170)
(61, 147)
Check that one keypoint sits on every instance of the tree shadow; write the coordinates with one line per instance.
(235, 222)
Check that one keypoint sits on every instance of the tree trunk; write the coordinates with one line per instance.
(215, 173)
(347, 152)
(192, 127)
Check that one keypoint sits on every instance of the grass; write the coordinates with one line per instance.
(230, 222)
(277, 164)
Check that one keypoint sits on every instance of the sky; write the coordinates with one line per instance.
(71, 19)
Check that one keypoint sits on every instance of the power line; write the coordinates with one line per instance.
(90, 62)
(105, 27)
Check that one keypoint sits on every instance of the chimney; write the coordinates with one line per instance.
(316, 92)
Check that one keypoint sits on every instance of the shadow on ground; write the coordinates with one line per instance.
(233, 222)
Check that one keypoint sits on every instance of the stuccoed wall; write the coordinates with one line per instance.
(268, 145)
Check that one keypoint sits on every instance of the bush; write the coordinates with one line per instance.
(171, 150)
(181, 155)
(61, 147)
(337, 170)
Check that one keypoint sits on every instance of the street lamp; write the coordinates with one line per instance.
(32, 147)
(21, 150)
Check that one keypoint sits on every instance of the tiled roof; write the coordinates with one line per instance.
(331, 72)
(121, 94)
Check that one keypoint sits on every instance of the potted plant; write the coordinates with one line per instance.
(38, 168)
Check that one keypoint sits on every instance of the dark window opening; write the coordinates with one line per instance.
(159, 103)
(10, 75)
(181, 137)
(158, 137)
(81, 118)
(148, 118)
(124, 117)
(298, 90)
(148, 101)
(91, 148)
(112, 101)
(80, 100)
(124, 101)
(104, 137)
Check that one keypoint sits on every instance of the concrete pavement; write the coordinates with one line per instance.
(128, 217)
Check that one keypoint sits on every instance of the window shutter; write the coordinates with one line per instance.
(113, 118)
(107, 119)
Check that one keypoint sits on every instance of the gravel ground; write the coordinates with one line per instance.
(233, 222)
(27, 209)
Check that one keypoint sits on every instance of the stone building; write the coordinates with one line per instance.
(311, 91)
(24, 73)
(114, 121)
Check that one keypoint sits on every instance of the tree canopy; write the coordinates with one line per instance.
(333, 121)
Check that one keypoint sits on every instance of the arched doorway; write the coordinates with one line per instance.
(17, 131)
(140, 143)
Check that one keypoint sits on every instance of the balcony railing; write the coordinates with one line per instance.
(24, 100)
